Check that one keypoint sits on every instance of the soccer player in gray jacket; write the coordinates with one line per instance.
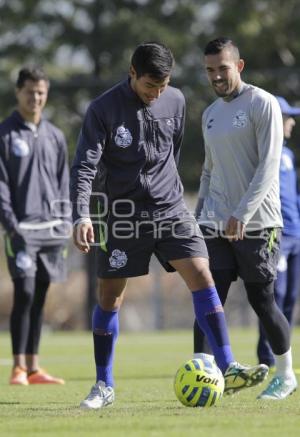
(239, 199)
(130, 139)
(34, 197)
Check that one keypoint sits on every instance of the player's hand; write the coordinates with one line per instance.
(199, 207)
(235, 229)
(83, 235)
(17, 241)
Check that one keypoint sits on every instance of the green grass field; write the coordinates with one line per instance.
(145, 403)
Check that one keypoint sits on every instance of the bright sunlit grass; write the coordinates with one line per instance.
(145, 403)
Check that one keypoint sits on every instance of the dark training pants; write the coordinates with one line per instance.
(254, 259)
(286, 291)
(33, 262)
(27, 314)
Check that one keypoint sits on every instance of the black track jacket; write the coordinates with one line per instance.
(133, 149)
(34, 174)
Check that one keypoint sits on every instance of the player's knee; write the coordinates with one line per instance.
(23, 293)
(23, 302)
(260, 296)
(200, 279)
(110, 294)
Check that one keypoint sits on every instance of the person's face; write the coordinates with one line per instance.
(288, 126)
(147, 88)
(32, 98)
(223, 72)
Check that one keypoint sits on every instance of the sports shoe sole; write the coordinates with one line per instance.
(85, 407)
(44, 382)
(19, 383)
(249, 380)
(271, 398)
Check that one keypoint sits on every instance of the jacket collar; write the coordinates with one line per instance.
(129, 91)
(19, 119)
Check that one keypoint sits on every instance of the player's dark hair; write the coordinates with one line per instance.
(31, 73)
(153, 59)
(217, 45)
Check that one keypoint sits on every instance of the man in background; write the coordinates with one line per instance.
(288, 269)
(34, 196)
(239, 206)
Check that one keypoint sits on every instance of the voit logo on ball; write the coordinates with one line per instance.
(199, 382)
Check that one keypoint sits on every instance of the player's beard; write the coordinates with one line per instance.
(221, 92)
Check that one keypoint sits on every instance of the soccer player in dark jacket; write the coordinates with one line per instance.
(34, 196)
(130, 140)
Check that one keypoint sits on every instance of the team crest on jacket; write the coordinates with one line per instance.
(118, 259)
(240, 119)
(23, 260)
(20, 147)
(123, 137)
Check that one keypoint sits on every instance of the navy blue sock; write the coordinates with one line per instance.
(211, 319)
(105, 326)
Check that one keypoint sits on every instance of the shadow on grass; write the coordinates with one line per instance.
(124, 377)
(141, 377)
(10, 403)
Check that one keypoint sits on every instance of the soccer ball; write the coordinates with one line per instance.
(199, 382)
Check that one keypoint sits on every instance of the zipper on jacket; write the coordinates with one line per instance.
(147, 131)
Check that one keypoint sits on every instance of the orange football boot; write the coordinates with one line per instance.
(40, 376)
(18, 376)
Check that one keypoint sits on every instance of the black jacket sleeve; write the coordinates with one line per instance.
(84, 168)
(178, 138)
(63, 179)
(7, 215)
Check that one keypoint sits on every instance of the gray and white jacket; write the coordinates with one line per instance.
(240, 176)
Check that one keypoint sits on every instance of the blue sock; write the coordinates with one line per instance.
(211, 319)
(105, 326)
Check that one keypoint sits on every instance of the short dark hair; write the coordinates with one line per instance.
(217, 45)
(31, 73)
(154, 59)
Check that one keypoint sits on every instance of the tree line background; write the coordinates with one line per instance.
(86, 45)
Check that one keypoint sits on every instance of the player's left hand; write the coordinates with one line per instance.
(235, 229)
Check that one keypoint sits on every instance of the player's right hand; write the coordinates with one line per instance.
(235, 229)
(17, 241)
(83, 235)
